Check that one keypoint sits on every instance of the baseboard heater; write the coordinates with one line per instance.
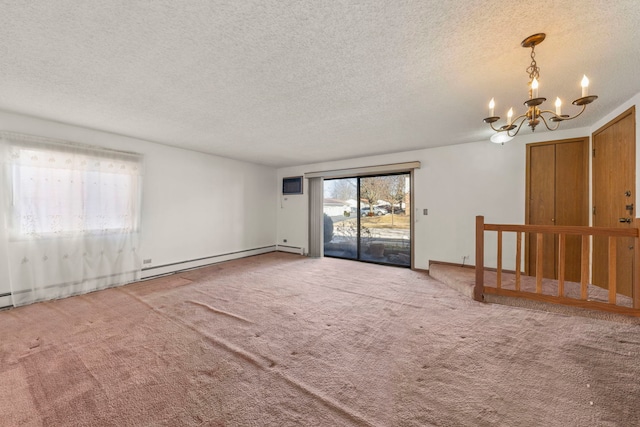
(175, 267)
(7, 297)
(5, 301)
(290, 249)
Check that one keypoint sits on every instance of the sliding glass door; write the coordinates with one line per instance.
(368, 219)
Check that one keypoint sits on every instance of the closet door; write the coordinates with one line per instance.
(572, 198)
(541, 188)
(557, 194)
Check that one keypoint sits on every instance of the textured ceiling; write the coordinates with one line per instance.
(292, 82)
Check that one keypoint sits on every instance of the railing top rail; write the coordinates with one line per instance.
(565, 229)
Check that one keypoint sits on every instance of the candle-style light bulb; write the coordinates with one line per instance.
(509, 116)
(558, 107)
(534, 88)
(492, 106)
(585, 86)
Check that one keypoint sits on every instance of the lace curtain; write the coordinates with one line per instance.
(72, 217)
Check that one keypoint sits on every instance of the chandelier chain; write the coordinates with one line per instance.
(533, 70)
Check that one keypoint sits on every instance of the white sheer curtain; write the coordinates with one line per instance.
(72, 215)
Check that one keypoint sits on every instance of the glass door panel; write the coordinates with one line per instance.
(340, 218)
(385, 219)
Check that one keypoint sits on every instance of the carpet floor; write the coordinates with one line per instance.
(283, 340)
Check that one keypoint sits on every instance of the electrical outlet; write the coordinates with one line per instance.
(146, 261)
(425, 211)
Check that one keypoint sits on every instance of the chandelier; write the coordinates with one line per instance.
(534, 115)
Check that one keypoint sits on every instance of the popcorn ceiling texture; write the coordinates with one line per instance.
(293, 82)
(285, 340)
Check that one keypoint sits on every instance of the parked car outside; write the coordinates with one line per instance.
(366, 211)
(383, 209)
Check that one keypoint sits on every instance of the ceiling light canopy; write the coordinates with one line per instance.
(534, 115)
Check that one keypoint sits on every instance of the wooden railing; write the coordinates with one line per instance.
(536, 232)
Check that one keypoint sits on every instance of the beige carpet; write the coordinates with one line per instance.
(282, 340)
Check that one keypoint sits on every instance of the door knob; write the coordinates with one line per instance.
(627, 220)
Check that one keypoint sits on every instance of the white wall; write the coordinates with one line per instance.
(455, 183)
(194, 205)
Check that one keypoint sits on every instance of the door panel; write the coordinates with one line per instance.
(385, 219)
(542, 205)
(340, 218)
(572, 199)
(613, 191)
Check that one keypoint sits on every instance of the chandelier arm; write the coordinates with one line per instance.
(553, 114)
(573, 117)
(524, 116)
(545, 120)
(521, 116)
(497, 130)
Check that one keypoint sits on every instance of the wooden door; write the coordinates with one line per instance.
(557, 194)
(541, 160)
(572, 199)
(614, 197)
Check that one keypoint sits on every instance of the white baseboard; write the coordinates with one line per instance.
(174, 267)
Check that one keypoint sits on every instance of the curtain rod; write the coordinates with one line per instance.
(366, 170)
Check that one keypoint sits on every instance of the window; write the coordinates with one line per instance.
(65, 190)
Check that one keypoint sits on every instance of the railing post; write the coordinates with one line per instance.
(499, 266)
(478, 290)
(635, 293)
(562, 251)
(584, 267)
(539, 261)
(612, 269)
(518, 258)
